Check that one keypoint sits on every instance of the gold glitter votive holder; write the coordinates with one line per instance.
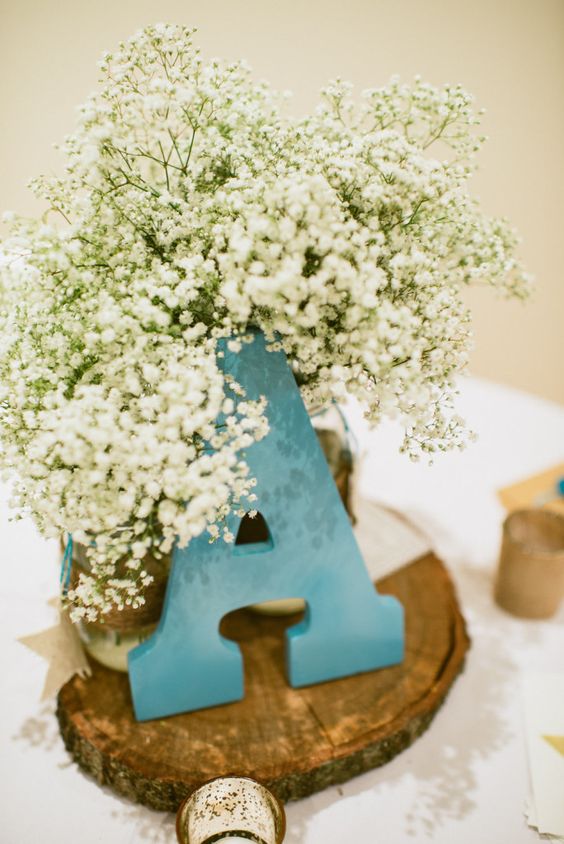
(530, 576)
(231, 809)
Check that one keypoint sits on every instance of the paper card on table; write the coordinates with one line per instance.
(530, 814)
(543, 696)
(537, 491)
(60, 645)
(387, 540)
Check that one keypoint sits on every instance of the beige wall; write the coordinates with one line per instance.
(510, 53)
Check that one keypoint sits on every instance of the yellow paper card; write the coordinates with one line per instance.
(535, 491)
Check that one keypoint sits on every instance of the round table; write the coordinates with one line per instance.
(464, 780)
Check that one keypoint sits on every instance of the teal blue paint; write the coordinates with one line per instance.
(348, 627)
(66, 566)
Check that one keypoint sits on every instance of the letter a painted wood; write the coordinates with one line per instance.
(348, 627)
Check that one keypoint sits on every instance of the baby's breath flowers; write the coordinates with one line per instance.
(193, 209)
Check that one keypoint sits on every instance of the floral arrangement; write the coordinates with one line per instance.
(191, 209)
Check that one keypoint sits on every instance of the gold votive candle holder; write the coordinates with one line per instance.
(231, 809)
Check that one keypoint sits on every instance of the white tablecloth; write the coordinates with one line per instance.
(464, 780)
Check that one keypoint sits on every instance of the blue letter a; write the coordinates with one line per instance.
(348, 627)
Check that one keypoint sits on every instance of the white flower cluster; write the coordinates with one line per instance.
(191, 209)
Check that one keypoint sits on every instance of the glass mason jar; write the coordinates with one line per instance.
(338, 445)
(334, 438)
(110, 639)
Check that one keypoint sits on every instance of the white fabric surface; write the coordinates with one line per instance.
(464, 780)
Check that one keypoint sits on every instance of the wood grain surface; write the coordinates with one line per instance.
(296, 741)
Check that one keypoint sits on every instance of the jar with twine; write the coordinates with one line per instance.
(530, 576)
(109, 639)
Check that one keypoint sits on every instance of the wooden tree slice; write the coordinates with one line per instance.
(296, 741)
